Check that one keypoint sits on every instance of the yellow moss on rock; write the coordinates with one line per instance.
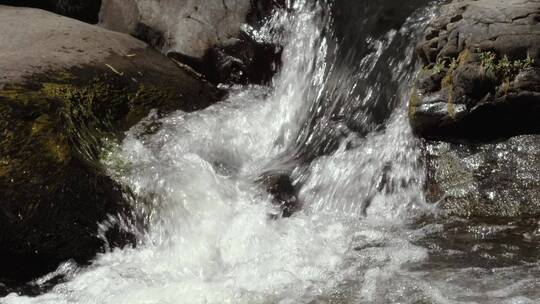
(447, 83)
(463, 57)
(414, 100)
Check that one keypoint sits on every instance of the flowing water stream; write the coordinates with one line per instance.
(334, 120)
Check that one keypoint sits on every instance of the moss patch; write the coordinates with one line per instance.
(414, 100)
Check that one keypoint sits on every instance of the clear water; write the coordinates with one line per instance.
(365, 233)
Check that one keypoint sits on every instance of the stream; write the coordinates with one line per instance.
(334, 121)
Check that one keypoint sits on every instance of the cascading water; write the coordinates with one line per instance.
(210, 237)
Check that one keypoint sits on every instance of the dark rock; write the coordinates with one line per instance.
(245, 61)
(479, 97)
(153, 37)
(261, 9)
(498, 179)
(64, 87)
(241, 62)
(84, 10)
(284, 194)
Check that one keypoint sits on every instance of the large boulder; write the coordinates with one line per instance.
(189, 27)
(208, 36)
(64, 87)
(481, 77)
(477, 103)
(84, 10)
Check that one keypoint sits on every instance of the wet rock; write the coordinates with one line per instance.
(482, 57)
(497, 179)
(242, 61)
(64, 87)
(477, 101)
(84, 10)
(260, 9)
(284, 195)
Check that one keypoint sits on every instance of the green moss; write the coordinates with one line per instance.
(54, 117)
(54, 143)
(4, 167)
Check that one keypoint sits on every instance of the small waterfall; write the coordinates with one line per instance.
(210, 238)
(347, 148)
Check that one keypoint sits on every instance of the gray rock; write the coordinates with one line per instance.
(499, 179)
(495, 100)
(205, 35)
(189, 27)
(64, 87)
(54, 42)
(475, 101)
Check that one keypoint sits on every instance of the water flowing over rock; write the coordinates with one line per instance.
(309, 188)
(479, 87)
(65, 87)
(500, 179)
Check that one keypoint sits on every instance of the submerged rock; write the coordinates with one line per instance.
(481, 78)
(282, 191)
(499, 179)
(84, 10)
(64, 87)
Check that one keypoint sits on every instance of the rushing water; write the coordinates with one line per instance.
(338, 127)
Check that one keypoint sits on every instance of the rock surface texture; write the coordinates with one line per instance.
(188, 27)
(64, 87)
(481, 77)
(499, 179)
(477, 102)
(205, 35)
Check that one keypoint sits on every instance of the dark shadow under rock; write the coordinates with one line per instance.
(84, 10)
(243, 61)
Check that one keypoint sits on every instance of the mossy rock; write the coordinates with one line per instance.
(488, 65)
(55, 112)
